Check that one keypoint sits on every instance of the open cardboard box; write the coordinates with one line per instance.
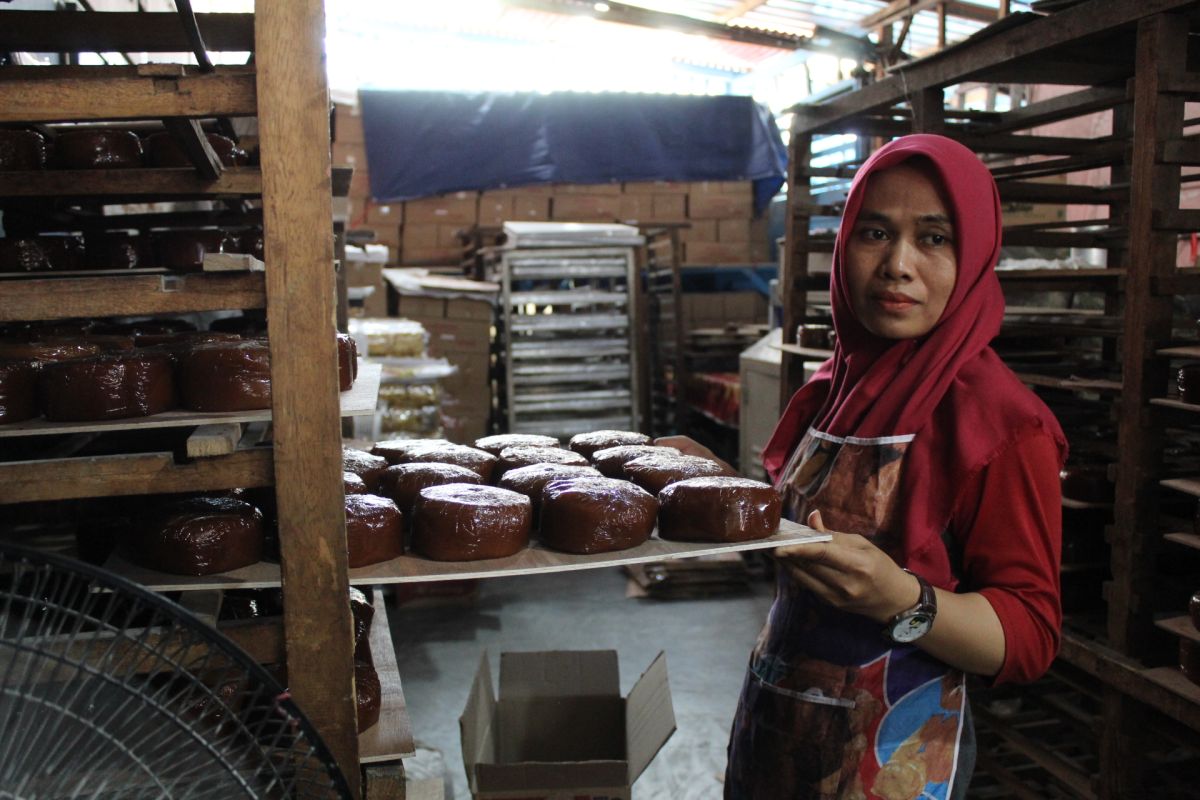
(560, 729)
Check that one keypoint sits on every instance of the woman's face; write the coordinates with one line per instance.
(900, 261)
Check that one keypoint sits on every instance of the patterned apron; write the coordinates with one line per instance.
(830, 708)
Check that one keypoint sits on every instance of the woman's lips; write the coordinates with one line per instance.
(894, 301)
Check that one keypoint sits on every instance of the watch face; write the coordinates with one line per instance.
(911, 628)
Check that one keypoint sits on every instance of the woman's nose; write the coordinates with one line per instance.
(897, 262)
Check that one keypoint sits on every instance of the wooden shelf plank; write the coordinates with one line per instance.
(143, 473)
(1180, 626)
(358, 401)
(127, 295)
(1057, 274)
(390, 738)
(413, 569)
(1173, 678)
(1067, 502)
(176, 182)
(1178, 405)
(1076, 384)
(1186, 485)
(122, 32)
(1186, 539)
(52, 94)
(810, 353)
(1180, 352)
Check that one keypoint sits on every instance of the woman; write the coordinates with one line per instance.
(936, 472)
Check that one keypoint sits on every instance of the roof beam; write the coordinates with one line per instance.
(899, 9)
(823, 39)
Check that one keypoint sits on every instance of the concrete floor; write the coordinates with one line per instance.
(707, 643)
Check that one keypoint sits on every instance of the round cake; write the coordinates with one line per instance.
(530, 481)
(162, 150)
(611, 461)
(655, 472)
(185, 250)
(97, 148)
(49, 351)
(347, 361)
(41, 254)
(462, 522)
(374, 529)
(595, 515)
(225, 376)
(718, 509)
(479, 462)
(107, 387)
(404, 482)
(517, 457)
(197, 536)
(368, 694)
(588, 443)
(352, 484)
(366, 466)
(22, 150)
(18, 382)
(362, 613)
(502, 441)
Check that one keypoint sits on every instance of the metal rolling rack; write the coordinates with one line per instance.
(666, 368)
(574, 369)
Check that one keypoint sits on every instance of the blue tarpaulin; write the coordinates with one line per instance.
(425, 143)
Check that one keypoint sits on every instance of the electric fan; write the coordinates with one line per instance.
(108, 690)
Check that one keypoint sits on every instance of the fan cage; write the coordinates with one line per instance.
(109, 690)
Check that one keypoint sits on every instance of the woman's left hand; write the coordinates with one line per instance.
(851, 573)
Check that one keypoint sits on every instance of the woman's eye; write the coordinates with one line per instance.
(874, 234)
(937, 239)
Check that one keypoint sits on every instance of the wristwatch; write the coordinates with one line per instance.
(913, 623)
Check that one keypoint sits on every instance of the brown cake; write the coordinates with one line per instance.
(352, 484)
(517, 457)
(437, 452)
(18, 382)
(366, 466)
(184, 250)
(162, 150)
(118, 386)
(48, 351)
(655, 472)
(347, 361)
(588, 443)
(97, 148)
(461, 522)
(362, 613)
(611, 461)
(197, 536)
(530, 481)
(368, 694)
(225, 376)
(404, 482)
(21, 151)
(374, 529)
(41, 254)
(116, 251)
(595, 515)
(503, 441)
(718, 510)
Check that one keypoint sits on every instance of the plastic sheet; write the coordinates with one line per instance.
(487, 141)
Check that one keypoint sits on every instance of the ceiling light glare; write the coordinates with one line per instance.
(603, 8)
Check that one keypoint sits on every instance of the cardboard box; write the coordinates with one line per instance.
(347, 124)
(534, 207)
(587, 188)
(559, 727)
(670, 207)
(459, 208)
(734, 231)
(701, 230)
(657, 187)
(384, 234)
(495, 207)
(426, 308)
(721, 187)
(583, 207)
(431, 236)
(364, 288)
(716, 253)
(636, 207)
(385, 214)
(431, 256)
(721, 206)
(450, 337)
(360, 184)
(350, 154)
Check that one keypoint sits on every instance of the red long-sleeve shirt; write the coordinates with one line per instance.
(1008, 525)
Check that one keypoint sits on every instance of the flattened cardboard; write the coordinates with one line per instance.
(548, 729)
(477, 723)
(649, 717)
(561, 673)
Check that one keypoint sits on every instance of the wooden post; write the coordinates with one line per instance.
(941, 12)
(928, 111)
(293, 117)
(794, 266)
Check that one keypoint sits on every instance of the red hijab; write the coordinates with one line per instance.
(949, 387)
